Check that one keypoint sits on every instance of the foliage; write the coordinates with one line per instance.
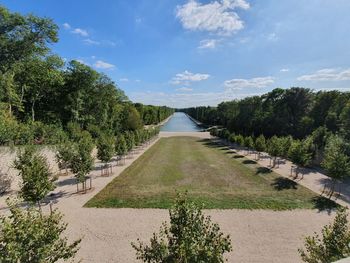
(260, 143)
(64, 154)
(5, 183)
(105, 148)
(121, 147)
(30, 236)
(82, 161)
(35, 174)
(299, 153)
(332, 246)
(191, 237)
(336, 162)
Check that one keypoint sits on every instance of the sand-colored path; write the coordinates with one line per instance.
(257, 235)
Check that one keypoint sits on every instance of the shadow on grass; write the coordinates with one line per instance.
(263, 170)
(249, 162)
(282, 183)
(322, 203)
(238, 156)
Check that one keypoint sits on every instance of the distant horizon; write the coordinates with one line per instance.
(188, 53)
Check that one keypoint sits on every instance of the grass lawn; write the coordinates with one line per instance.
(212, 175)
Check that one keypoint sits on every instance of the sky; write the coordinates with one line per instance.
(184, 53)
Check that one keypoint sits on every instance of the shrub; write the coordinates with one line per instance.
(333, 245)
(191, 237)
(30, 236)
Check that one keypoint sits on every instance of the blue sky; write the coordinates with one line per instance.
(184, 53)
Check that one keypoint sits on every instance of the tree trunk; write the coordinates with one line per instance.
(33, 112)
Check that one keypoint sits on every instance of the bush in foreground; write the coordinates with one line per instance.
(31, 236)
(191, 237)
(334, 244)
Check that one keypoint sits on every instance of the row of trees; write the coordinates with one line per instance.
(334, 159)
(282, 112)
(40, 94)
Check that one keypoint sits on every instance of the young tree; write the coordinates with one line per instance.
(64, 155)
(121, 147)
(105, 151)
(274, 149)
(334, 244)
(82, 161)
(260, 144)
(249, 143)
(336, 162)
(130, 141)
(35, 173)
(30, 236)
(299, 154)
(191, 237)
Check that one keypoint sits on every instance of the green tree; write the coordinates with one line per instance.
(299, 154)
(31, 236)
(64, 155)
(249, 143)
(274, 148)
(191, 237)
(332, 246)
(336, 162)
(23, 36)
(36, 177)
(121, 147)
(105, 149)
(82, 161)
(260, 144)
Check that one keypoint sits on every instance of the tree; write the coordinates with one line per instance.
(31, 236)
(299, 154)
(23, 36)
(333, 245)
(82, 161)
(105, 151)
(36, 177)
(121, 147)
(274, 148)
(5, 183)
(191, 237)
(336, 162)
(260, 144)
(249, 143)
(64, 155)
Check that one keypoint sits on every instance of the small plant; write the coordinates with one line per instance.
(31, 236)
(191, 237)
(333, 245)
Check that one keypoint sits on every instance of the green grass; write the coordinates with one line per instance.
(212, 175)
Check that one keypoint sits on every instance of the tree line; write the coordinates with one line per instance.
(40, 94)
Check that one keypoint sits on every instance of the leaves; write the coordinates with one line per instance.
(332, 246)
(191, 237)
(30, 236)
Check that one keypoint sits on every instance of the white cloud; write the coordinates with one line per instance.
(185, 99)
(208, 43)
(186, 77)
(238, 84)
(91, 42)
(184, 89)
(66, 26)
(328, 74)
(103, 65)
(272, 37)
(216, 17)
(284, 70)
(137, 80)
(80, 31)
(124, 79)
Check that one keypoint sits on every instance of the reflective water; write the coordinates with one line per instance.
(180, 122)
